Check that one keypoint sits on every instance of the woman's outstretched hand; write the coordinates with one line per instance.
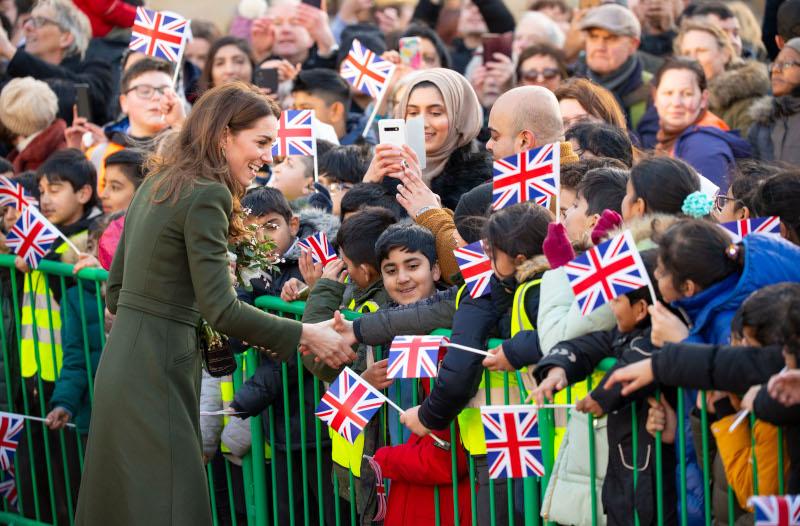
(327, 345)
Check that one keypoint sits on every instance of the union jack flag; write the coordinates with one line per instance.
(12, 194)
(739, 229)
(349, 404)
(31, 236)
(295, 134)
(527, 176)
(10, 429)
(606, 271)
(776, 510)
(476, 268)
(159, 34)
(414, 356)
(8, 487)
(513, 446)
(366, 71)
(321, 250)
(380, 489)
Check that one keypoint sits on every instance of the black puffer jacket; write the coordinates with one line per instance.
(579, 357)
(266, 388)
(467, 168)
(733, 369)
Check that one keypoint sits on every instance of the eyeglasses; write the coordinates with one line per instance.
(783, 66)
(146, 91)
(40, 21)
(533, 75)
(721, 200)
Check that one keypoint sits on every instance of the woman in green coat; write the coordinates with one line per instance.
(143, 459)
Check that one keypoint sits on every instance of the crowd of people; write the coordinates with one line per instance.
(668, 119)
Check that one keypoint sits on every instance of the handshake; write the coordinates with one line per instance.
(329, 341)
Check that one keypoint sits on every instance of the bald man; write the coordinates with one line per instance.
(522, 119)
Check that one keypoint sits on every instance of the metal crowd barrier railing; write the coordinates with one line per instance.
(255, 489)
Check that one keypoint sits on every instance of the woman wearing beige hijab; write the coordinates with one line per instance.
(453, 117)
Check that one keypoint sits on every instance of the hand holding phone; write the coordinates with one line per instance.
(267, 78)
(493, 43)
(82, 101)
(411, 52)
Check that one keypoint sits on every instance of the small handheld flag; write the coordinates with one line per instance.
(739, 229)
(321, 250)
(159, 34)
(607, 271)
(532, 175)
(366, 71)
(380, 489)
(349, 404)
(8, 487)
(12, 194)
(31, 236)
(513, 445)
(776, 510)
(295, 134)
(476, 268)
(10, 429)
(414, 356)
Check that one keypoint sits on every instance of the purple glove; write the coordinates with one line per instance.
(557, 247)
(607, 222)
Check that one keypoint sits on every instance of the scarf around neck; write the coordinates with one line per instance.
(624, 80)
(463, 109)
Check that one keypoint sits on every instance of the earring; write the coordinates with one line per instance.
(222, 152)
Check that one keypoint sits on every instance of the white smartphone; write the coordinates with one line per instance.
(392, 131)
(400, 132)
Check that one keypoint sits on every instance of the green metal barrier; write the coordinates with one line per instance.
(272, 484)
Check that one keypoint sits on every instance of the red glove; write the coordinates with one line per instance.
(557, 247)
(607, 222)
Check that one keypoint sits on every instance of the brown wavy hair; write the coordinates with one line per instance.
(595, 99)
(196, 152)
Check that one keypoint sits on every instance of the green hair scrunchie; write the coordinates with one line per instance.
(697, 204)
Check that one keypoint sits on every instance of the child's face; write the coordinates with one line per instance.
(566, 198)
(503, 265)
(337, 190)
(665, 286)
(749, 337)
(362, 275)
(408, 276)
(144, 114)
(10, 216)
(632, 206)
(578, 224)
(118, 192)
(291, 178)
(628, 314)
(60, 203)
(273, 226)
(728, 212)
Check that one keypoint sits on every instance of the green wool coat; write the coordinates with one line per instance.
(143, 459)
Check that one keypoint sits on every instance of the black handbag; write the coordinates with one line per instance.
(217, 354)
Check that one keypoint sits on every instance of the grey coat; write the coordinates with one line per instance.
(775, 132)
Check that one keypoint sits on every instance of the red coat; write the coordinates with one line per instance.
(105, 15)
(414, 469)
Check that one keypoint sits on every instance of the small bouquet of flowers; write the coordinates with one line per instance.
(254, 258)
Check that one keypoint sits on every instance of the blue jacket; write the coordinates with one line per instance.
(767, 260)
(712, 152)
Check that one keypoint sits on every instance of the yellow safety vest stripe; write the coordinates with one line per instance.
(40, 348)
(469, 420)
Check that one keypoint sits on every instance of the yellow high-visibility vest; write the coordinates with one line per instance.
(344, 453)
(469, 420)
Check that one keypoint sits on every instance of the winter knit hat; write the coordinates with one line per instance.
(27, 106)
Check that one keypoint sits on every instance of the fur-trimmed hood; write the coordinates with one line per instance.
(313, 220)
(745, 80)
(646, 229)
(530, 267)
(767, 109)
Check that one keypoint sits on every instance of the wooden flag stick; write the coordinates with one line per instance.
(465, 348)
(740, 416)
